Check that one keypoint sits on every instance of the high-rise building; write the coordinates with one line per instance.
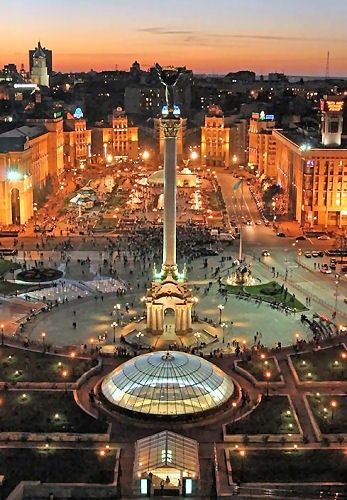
(49, 58)
(39, 72)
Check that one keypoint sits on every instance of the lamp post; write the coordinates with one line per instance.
(224, 326)
(139, 337)
(64, 374)
(117, 309)
(268, 376)
(337, 282)
(43, 335)
(220, 307)
(114, 324)
(243, 455)
(343, 357)
(2, 334)
(333, 405)
(35, 213)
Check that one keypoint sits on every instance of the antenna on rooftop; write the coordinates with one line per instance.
(327, 68)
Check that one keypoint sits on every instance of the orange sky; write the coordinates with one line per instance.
(207, 36)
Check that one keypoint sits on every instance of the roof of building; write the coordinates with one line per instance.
(15, 139)
(39, 51)
(310, 137)
(167, 384)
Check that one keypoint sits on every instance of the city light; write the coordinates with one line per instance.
(14, 175)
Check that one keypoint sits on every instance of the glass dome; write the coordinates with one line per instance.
(167, 383)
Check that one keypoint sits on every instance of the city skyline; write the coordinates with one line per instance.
(268, 36)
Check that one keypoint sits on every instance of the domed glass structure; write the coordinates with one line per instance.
(167, 383)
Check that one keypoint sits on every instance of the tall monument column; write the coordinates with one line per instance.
(170, 128)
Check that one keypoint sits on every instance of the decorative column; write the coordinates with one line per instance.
(170, 127)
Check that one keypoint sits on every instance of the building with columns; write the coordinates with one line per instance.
(311, 169)
(120, 141)
(31, 158)
(215, 139)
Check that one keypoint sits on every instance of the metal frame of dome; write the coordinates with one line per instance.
(167, 384)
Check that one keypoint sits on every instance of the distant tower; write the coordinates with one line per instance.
(332, 120)
(39, 72)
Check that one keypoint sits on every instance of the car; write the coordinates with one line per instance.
(301, 238)
(308, 255)
(258, 222)
(320, 253)
(325, 270)
(323, 237)
(267, 223)
(249, 222)
(333, 261)
(344, 269)
(281, 235)
(265, 253)
(333, 266)
(315, 254)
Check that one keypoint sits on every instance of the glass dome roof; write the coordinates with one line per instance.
(167, 383)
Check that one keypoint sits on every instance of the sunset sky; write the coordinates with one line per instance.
(212, 36)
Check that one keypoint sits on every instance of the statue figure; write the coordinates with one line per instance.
(169, 76)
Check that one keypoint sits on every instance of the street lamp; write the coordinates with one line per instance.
(139, 337)
(35, 213)
(117, 309)
(333, 405)
(64, 374)
(114, 324)
(220, 307)
(268, 376)
(194, 155)
(43, 335)
(242, 454)
(224, 326)
(2, 334)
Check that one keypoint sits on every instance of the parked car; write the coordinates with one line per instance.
(325, 270)
(323, 237)
(315, 254)
(281, 235)
(301, 238)
(265, 253)
(308, 255)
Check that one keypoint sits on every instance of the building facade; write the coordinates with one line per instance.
(215, 139)
(39, 71)
(120, 141)
(311, 169)
(261, 145)
(31, 158)
(77, 141)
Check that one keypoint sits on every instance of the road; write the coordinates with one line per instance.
(284, 251)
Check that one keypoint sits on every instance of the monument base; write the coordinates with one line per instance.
(169, 307)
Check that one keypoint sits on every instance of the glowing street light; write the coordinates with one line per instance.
(145, 155)
(333, 405)
(268, 376)
(221, 308)
(197, 335)
(114, 324)
(43, 335)
(194, 155)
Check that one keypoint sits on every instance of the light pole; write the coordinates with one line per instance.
(268, 376)
(117, 309)
(337, 282)
(43, 335)
(224, 326)
(220, 307)
(333, 405)
(64, 374)
(242, 454)
(114, 324)
(139, 337)
(35, 213)
(2, 334)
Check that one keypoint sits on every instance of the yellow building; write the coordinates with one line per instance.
(31, 157)
(261, 146)
(215, 139)
(312, 170)
(77, 141)
(117, 142)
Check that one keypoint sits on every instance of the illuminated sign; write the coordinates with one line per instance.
(78, 114)
(270, 117)
(14, 175)
(25, 86)
(335, 106)
(255, 116)
(176, 111)
(262, 115)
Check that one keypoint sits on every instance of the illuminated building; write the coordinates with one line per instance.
(119, 141)
(31, 157)
(77, 140)
(49, 58)
(167, 384)
(312, 170)
(39, 71)
(261, 144)
(215, 139)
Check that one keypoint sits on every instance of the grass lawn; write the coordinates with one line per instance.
(272, 416)
(258, 367)
(21, 365)
(7, 288)
(269, 292)
(331, 419)
(323, 365)
(6, 266)
(40, 411)
(290, 466)
(56, 466)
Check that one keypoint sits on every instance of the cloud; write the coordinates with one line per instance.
(163, 31)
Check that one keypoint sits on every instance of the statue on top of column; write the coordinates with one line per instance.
(169, 76)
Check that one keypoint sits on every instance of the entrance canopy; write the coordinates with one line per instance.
(167, 450)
